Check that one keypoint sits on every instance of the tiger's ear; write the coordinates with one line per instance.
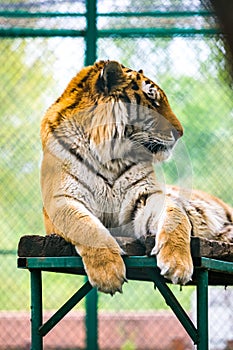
(111, 75)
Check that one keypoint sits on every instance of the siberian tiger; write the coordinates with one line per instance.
(99, 140)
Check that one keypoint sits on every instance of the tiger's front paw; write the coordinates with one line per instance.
(175, 263)
(105, 269)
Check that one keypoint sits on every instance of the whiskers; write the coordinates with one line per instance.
(153, 144)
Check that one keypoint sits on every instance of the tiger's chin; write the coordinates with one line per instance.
(162, 156)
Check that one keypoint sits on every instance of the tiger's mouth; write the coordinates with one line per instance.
(160, 150)
(155, 147)
(158, 145)
(161, 143)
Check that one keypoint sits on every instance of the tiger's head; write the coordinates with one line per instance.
(120, 111)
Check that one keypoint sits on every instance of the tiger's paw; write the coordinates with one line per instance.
(105, 269)
(175, 263)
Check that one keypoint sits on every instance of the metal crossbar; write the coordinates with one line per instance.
(138, 268)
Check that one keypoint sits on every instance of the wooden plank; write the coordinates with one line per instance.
(50, 245)
(54, 245)
(211, 249)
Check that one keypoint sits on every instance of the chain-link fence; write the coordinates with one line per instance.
(43, 45)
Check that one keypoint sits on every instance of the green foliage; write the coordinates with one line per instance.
(129, 345)
(22, 81)
(205, 110)
(13, 281)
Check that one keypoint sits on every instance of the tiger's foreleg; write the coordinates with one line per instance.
(68, 216)
(172, 229)
(100, 252)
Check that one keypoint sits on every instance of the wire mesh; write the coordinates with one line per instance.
(33, 73)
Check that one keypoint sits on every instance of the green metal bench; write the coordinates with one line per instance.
(207, 271)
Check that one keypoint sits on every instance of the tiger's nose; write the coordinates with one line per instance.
(177, 133)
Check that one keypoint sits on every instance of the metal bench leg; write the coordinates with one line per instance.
(92, 320)
(202, 310)
(36, 309)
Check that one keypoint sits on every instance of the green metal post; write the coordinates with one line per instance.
(36, 309)
(202, 309)
(91, 32)
(90, 58)
(92, 320)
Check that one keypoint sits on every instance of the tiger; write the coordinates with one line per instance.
(100, 141)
